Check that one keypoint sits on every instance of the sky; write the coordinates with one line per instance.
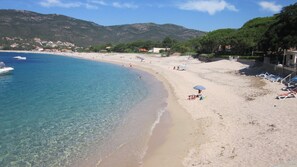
(204, 15)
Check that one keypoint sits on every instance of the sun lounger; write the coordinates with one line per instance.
(293, 89)
(275, 78)
(289, 87)
(263, 75)
(270, 77)
(286, 95)
(292, 84)
(290, 94)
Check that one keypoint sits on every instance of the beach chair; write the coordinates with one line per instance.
(290, 94)
(270, 77)
(289, 87)
(293, 90)
(263, 75)
(275, 78)
(286, 95)
(292, 82)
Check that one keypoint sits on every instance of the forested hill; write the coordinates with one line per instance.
(26, 25)
(243, 40)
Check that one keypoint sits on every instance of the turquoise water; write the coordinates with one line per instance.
(60, 111)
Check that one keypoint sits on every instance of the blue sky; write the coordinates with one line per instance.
(205, 15)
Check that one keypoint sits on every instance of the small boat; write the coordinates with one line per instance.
(4, 69)
(20, 58)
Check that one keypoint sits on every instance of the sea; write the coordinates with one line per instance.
(57, 111)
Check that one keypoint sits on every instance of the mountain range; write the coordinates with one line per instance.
(19, 25)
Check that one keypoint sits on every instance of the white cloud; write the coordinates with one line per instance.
(99, 2)
(63, 4)
(90, 6)
(270, 6)
(59, 3)
(209, 6)
(124, 5)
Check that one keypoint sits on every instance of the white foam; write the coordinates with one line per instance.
(110, 154)
(157, 121)
(153, 127)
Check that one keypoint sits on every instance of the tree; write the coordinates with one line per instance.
(168, 42)
(119, 48)
(242, 41)
(283, 33)
(194, 44)
(179, 47)
(212, 41)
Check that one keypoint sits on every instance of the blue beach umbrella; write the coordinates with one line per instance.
(199, 87)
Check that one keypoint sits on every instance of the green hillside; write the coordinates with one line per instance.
(25, 26)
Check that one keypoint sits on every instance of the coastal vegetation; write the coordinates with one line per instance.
(257, 37)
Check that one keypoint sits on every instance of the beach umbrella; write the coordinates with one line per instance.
(199, 87)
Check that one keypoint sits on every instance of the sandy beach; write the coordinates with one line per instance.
(238, 123)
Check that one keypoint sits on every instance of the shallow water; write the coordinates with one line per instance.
(60, 111)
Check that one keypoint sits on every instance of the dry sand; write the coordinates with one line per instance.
(239, 123)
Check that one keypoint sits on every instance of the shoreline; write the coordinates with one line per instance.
(143, 124)
(170, 148)
(240, 123)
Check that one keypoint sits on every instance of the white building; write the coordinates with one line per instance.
(158, 50)
(290, 57)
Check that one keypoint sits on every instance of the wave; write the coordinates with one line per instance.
(153, 127)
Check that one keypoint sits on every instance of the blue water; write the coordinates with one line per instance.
(53, 109)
